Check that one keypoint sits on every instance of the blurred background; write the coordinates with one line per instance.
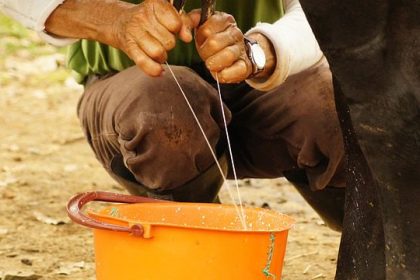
(44, 160)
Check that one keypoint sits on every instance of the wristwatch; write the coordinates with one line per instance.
(256, 55)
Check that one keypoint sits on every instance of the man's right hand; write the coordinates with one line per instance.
(145, 32)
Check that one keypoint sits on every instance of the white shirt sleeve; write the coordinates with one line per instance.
(33, 14)
(294, 42)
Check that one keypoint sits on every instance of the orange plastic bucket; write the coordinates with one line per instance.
(174, 241)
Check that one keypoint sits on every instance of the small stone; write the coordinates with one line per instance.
(115, 187)
(17, 158)
(72, 267)
(13, 148)
(265, 205)
(71, 168)
(7, 194)
(247, 182)
(39, 94)
(48, 220)
(30, 250)
(26, 262)
(72, 84)
(4, 231)
(8, 181)
(282, 201)
(21, 276)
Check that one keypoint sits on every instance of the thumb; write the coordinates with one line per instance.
(195, 16)
(189, 22)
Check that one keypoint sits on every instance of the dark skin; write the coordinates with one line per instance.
(220, 44)
(147, 32)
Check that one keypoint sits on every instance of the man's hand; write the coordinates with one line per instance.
(220, 43)
(145, 32)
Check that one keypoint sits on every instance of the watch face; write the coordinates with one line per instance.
(258, 55)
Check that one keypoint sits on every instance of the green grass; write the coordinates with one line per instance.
(16, 38)
(8, 27)
(19, 42)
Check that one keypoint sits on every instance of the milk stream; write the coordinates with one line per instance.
(240, 209)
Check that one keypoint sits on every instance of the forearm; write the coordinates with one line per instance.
(87, 19)
(145, 32)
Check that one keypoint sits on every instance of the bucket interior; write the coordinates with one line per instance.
(194, 215)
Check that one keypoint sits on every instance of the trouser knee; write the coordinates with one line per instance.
(160, 141)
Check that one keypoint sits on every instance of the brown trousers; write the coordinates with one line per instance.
(143, 133)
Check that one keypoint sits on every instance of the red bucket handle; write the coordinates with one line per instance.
(77, 202)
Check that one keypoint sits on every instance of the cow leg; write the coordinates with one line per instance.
(389, 140)
(361, 254)
(328, 203)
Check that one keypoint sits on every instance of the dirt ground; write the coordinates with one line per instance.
(44, 160)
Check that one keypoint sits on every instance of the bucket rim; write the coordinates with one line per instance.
(288, 221)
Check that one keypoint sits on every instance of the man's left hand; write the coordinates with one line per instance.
(220, 43)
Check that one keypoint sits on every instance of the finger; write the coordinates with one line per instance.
(215, 24)
(224, 59)
(195, 16)
(168, 16)
(186, 30)
(238, 72)
(220, 41)
(160, 32)
(151, 47)
(145, 63)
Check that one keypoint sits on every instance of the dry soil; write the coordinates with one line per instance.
(44, 160)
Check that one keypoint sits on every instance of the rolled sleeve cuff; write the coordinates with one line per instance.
(55, 40)
(294, 43)
(33, 14)
(281, 71)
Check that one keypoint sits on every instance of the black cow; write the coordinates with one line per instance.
(373, 47)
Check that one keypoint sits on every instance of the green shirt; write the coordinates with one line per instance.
(89, 57)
